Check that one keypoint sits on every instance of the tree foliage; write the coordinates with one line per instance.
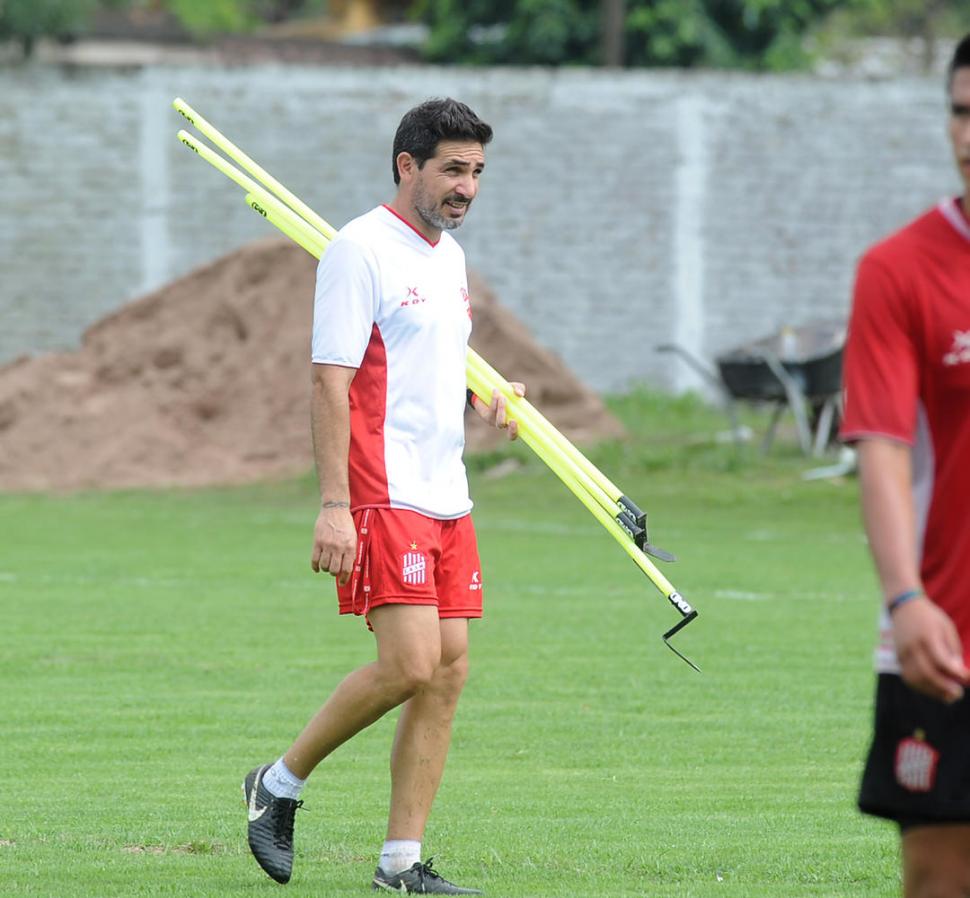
(235, 16)
(923, 20)
(28, 20)
(509, 31)
(758, 34)
(909, 18)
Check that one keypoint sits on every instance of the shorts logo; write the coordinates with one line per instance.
(916, 762)
(414, 567)
(959, 353)
(476, 581)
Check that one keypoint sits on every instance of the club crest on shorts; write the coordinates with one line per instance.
(414, 567)
(916, 762)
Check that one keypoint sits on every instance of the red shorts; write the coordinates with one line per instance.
(406, 558)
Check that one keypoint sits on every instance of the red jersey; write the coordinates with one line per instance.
(907, 378)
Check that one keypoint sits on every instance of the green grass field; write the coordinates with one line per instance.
(155, 646)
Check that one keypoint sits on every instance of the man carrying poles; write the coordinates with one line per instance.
(391, 325)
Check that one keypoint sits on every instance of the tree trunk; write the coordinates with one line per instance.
(933, 11)
(612, 16)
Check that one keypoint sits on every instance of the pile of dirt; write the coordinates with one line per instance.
(207, 381)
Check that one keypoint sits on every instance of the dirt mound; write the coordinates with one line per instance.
(207, 381)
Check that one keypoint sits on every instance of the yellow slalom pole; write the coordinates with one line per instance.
(263, 196)
(482, 382)
(631, 518)
(312, 233)
(534, 438)
(561, 467)
(580, 485)
(549, 443)
(535, 441)
(526, 409)
(206, 129)
(215, 160)
(315, 244)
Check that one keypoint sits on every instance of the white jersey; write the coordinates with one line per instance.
(396, 307)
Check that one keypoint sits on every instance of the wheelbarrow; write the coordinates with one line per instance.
(798, 367)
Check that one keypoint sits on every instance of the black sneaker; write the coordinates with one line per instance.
(270, 825)
(419, 879)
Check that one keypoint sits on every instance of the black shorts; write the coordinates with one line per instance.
(918, 769)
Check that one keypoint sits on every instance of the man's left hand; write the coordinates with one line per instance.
(496, 413)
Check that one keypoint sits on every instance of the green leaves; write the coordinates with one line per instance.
(28, 20)
(754, 34)
(214, 16)
(550, 32)
(666, 33)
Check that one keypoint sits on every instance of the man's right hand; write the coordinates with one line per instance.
(929, 650)
(334, 543)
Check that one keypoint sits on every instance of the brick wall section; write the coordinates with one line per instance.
(618, 210)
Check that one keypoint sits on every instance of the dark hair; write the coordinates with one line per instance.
(425, 126)
(960, 60)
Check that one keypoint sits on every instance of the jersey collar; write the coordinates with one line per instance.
(401, 218)
(951, 211)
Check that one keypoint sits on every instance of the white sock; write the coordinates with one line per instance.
(282, 782)
(399, 855)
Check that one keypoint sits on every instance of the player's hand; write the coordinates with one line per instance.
(334, 543)
(929, 650)
(496, 413)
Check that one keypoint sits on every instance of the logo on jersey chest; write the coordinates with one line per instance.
(959, 353)
(414, 297)
(466, 299)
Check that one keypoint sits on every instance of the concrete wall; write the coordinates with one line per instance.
(618, 210)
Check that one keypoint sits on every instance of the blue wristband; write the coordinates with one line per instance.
(903, 598)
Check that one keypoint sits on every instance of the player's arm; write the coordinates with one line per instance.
(344, 308)
(927, 642)
(334, 535)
